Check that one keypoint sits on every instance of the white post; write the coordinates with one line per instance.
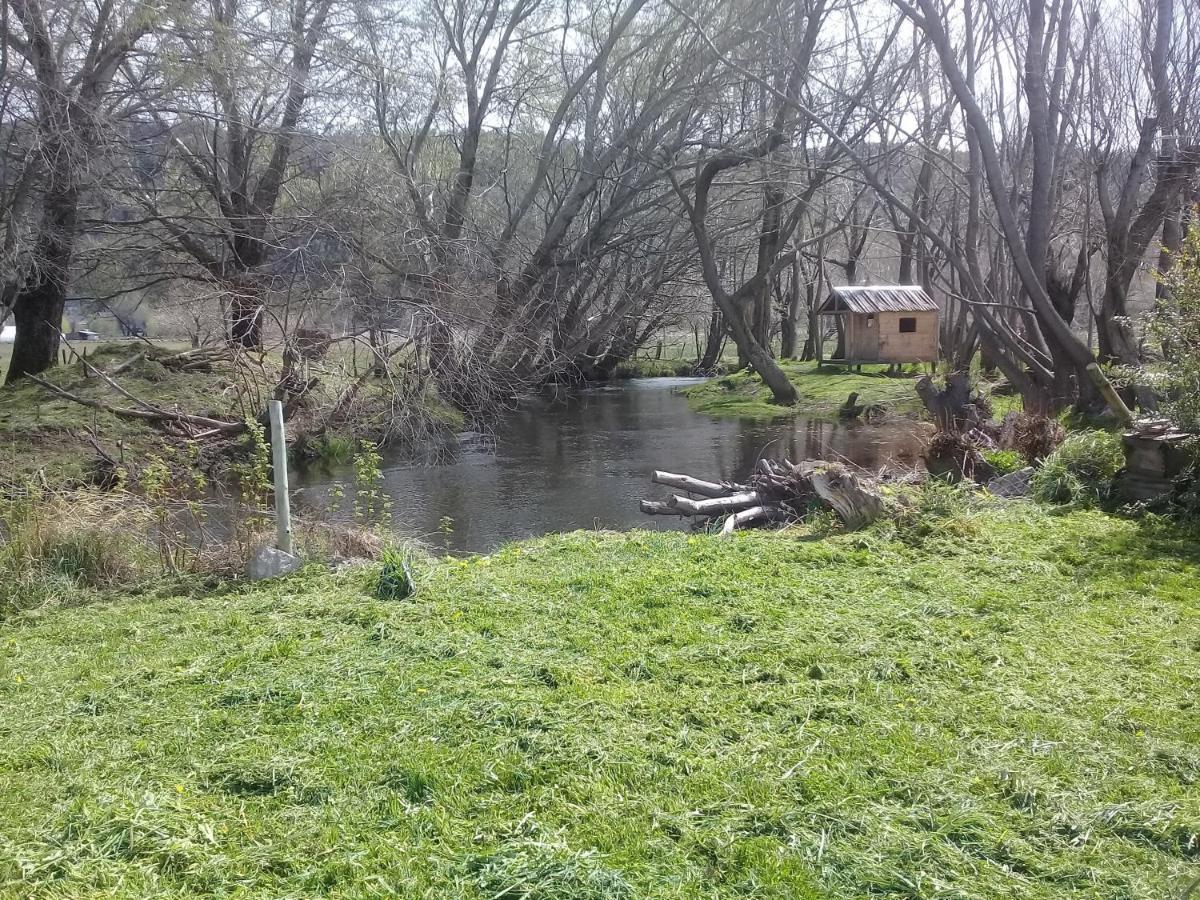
(283, 510)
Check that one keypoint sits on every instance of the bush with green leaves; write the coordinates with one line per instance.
(1081, 470)
(1176, 327)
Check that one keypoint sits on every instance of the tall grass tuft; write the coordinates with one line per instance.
(395, 578)
(1081, 470)
(54, 546)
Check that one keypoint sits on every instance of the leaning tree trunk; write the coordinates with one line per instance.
(783, 391)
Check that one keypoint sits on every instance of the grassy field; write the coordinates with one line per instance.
(996, 704)
(822, 391)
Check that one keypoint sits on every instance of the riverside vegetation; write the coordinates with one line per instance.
(821, 392)
(980, 699)
(66, 444)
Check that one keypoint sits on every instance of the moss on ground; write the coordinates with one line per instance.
(822, 391)
(41, 432)
(1002, 706)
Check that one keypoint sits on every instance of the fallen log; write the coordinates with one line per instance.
(658, 508)
(715, 506)
(691, 485)
(778, 490)
(753, 514)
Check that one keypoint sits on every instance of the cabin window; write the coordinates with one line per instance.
(908, 325)
(870, 320)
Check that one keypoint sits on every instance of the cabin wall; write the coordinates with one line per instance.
(862, 337)
(877, 338)
(915, 346)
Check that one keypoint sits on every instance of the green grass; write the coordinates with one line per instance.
(1002, 708)
(821, 391)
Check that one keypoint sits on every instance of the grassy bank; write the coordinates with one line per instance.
(40, 432)
(997, 704)
(821, 391)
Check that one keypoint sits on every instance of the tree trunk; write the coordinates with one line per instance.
(38, 315)
(783, 391)
(1117, 342)
(39, 302)
(713, 342)
(245, 315)
(791, 316)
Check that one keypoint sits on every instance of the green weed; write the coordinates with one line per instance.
(1080, 470)
(1003, 461)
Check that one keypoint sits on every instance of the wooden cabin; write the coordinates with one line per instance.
(880, 324)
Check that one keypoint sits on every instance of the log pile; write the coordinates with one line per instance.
(777, 491)
(199, 359)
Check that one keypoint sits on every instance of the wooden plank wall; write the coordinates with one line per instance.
(882, 340)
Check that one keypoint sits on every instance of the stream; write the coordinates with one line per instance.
(583, 459)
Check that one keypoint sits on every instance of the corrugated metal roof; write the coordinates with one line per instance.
(874, 298)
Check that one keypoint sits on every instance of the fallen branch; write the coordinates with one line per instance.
(129, 363)
(692, 485)
(716, 505)
(151, 414)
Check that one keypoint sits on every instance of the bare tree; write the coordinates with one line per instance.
(1162, 73)
(230, 127)
(60, 64)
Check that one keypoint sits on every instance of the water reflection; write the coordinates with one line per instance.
(583, 461)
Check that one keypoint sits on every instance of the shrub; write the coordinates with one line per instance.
(1081, 470)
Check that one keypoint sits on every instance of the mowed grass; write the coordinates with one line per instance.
(1002, 707)
(822, 391)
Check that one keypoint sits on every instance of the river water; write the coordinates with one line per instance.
(583, 460)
